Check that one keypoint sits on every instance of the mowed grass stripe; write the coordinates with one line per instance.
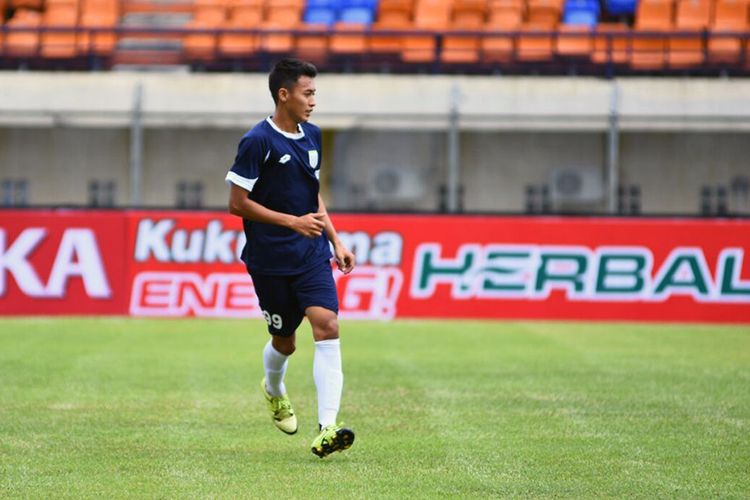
(93, 407)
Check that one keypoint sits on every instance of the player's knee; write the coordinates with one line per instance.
(327, 329)
(285, 345)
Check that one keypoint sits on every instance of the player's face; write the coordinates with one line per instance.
(301, 99)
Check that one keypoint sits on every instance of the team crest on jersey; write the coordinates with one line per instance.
(313, 158)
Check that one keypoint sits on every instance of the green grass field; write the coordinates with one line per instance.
(113, 408)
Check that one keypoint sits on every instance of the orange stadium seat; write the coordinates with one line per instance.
(503, 15)
(312, 43)
(535, 43)
(654, 20)
(395, 11)
(730, 16)
(429, 15)
(275, 40)
(60, 14)
(280, 16)
(23, 44)
(544, 12)
(207, 15)
(691, 15)
(468, 15)
(610, 48)
(242, 15)
(284, 11)
(506, 12)
(348, 38)
(26, 4)
(393, 15)
(98, 14)
(574, 40)
(209, 11)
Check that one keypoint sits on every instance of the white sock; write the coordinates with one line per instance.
(275, 365)
(329, 379)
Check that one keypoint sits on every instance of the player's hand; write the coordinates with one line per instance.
(344, 259)
(310, 225)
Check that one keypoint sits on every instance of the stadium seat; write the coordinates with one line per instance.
(581, 18)
(312, 43)
(320, 16)
(242, 17)
(581, 12)
(654, 20)
(59, 14)
(691, 15)
(731, 16)
(575, 40)
(26, 43)
(274, 39)
(384, 44)
(503, 16)
(348, 39)
(621, 7)
(395, 12)
(608, 46)
(544, 12)
(535, 43)
(207, 15)
(359, 15)
(37, 5)
(429, 15)
(284, 12)
(211, 12)
(468, 15)
(98, 14)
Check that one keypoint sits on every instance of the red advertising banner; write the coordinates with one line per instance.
(170, 263)
(62, 262)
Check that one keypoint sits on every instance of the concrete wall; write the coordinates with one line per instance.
(496, 167)
(385, 136)
(59, 162)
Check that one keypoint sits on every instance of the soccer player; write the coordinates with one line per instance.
(275, 189)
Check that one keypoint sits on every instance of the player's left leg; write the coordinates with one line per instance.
(316, 293)
(329, 381)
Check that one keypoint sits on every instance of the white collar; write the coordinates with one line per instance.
(298, 135)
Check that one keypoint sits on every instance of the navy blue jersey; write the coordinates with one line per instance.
(281, 171)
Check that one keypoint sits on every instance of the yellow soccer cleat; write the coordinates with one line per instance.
(332, 438)
(281, 410)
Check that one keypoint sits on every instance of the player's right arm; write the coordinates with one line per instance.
(309, 225)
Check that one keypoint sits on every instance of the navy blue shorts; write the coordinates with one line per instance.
(284, 299)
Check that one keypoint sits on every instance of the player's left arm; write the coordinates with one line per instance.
(344, 257)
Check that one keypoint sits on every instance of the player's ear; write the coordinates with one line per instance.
(283, 94)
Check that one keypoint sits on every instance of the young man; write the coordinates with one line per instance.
(275, 189)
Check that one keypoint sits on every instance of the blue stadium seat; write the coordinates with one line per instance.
(592, 5)
(621, 7)
(322, 4)
(369, 4)
(581, 12)
(581, 18)
(361, 15)
(320, 15)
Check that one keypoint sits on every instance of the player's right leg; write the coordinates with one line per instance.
(275, 360)
(282, 314)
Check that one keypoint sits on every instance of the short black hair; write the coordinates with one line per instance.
(285, 74)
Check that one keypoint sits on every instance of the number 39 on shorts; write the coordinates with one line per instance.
(273, 320)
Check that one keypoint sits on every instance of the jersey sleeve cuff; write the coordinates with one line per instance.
(243, 182)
